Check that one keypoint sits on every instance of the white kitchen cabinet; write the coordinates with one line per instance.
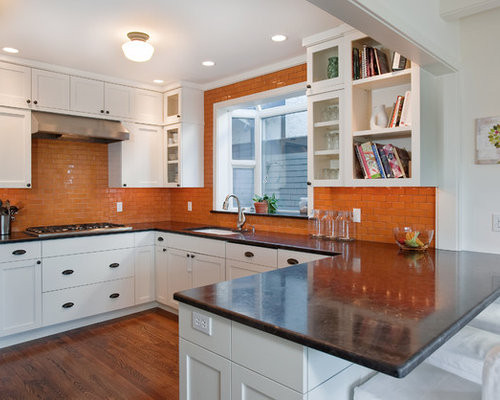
(20, 296)
(118, 100)
(49, 90)
(161, 274)
(183, 105)
(291, 257)
(319, 78)
(239, 269)
(207, 269)
(137, 162)
(178, 274)
(203, 374)
(15, 85)
(148, 106)
(15, 151)
(87, 95)
(252, 254)
(183, 155)
(144, 274)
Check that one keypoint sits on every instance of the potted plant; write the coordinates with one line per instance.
(265, 204)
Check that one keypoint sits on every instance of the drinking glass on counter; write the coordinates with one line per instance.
(345, 226)
(315, 224)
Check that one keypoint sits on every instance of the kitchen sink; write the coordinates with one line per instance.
(215, 231)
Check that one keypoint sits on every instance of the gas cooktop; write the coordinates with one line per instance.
(61, 230)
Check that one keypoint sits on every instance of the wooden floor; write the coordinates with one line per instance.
(135, 357)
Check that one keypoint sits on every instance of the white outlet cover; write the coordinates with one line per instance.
(202, 323)
(356, 214)
(190, 206)
(119, 206)
(496, 223)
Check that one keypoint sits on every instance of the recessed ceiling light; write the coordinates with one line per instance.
(158, 81)
(11, 50)
(138, 49)
(278, 38)
(208, 63)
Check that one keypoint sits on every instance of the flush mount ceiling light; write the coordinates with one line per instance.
(138, 49)
(11, 50)
(278, 38)
(208, 63)
(158, 81)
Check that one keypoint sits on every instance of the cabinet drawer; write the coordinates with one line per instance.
(60, 247)
(144, 238)
(219, 341)
(20, 251)
(252, 254)
(69, 304)
(239, 269)
(83, 269)
(194, 244)
(161, 239)
(289, 257)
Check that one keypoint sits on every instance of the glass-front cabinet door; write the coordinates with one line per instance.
(172, 156)
(325, 66)
(325, 138)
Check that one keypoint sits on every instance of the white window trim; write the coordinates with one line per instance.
(222, 126)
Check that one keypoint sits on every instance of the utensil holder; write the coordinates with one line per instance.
(4, 225)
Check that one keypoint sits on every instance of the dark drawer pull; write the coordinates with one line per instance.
(68, 305)
(67, 272)
(19, 252)
(160, 239)
(248, 254)
(292, 261)
(114, 295)
(114, 265)
(164, 249)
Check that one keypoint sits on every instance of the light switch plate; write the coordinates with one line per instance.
(496, 223)
(119, 206)
(356, 214)
(190, 206)
(202, 323)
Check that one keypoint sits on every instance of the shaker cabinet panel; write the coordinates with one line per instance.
(144, 274)
(118, 100)
(49, 90)
(207, 269)
(87, 95)
(148, 106)
(178, 274)
(15, 85)
(161, 274)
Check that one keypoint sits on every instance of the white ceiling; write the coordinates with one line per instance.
(88, 34)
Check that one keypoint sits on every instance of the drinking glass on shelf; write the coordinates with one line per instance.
(331, 112)
(332, 139)
(315, 225)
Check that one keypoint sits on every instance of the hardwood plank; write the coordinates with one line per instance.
(134, 357)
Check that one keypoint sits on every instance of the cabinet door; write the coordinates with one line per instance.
(118, 100)
(161, 271)
(178, 274)
(49, 90)
(248, 385)
(148, 106)
(239, 269)
(142, 157)
(15, 85)
(20, 296)
(207, 269)
(172, 107)
(171, 158)
(203, 374)
(144, 274)
(87, 95)
(15, 151)
(322, 73)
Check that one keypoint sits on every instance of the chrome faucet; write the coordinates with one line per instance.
(241, 212)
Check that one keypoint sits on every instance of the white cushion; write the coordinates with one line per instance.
(464, 353)
(489, 319)
(491, 375)
(425, 382)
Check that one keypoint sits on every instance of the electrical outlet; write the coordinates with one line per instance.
(119, 206)
(202, 323)
(356, 214)
(496, 223)
(190, 206)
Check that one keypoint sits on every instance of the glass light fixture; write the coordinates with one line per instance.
(278, 38)
(138, 49)
(208, 63)
(11, 50)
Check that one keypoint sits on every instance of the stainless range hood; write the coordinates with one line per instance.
(68, 127)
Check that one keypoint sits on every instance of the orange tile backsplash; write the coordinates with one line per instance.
(70, 185)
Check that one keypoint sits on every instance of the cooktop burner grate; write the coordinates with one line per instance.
(59, 230)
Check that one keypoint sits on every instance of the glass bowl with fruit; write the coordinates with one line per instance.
(412, 238)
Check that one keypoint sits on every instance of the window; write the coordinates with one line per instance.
(261, 148)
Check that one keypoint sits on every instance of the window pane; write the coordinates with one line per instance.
(243, 139)
(284, 160)
(297, 101)
(271, 128)
(243, 185)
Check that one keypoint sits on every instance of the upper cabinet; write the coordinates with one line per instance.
(87, 95)
(183, 105)
(118, 101)
(325, 66)
(148, 106)
(49, 90)
(15, 85)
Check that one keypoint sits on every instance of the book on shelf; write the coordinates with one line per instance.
(378, 161)
(364, 72)
(355, 64)
(372, 61)
(396, 112)
(398, 61)
(406, 110)
(381, 60)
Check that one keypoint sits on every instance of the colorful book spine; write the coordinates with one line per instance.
(363, 62)
(399, 162)
(406, 111)
(360, 161)
(385, 161)
(396, 112)
(391, 157)
(379, 162)
(371, 162)
(364, 165)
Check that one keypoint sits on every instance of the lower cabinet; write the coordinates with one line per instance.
(144, 274)
(203, 374)
(161, 271)
(239, 269)
(20, 296)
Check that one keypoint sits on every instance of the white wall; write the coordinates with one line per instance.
(480, 184)
(456, 9)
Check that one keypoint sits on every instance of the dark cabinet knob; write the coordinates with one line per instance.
(178, 185)
(308, 86)
(107, 112)
(68, 305)
(309, 183)
(249, 254)
(28, 185)
(160, 239)
(19, 252)
(35, 102)
(114, 265)
(164, 249)
(187, 255)
(28, 101)
(178, 115)
(68, 272)
(38, 262)
(114, 295)
(102, 111)
(192, 255)
(124, 185)
(292, 261)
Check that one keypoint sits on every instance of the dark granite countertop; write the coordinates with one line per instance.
(372, 305)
